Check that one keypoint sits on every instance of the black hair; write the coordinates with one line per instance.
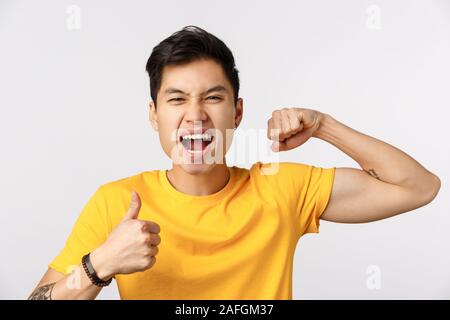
(187, 45)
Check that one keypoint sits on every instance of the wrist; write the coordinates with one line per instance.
(99, 260)
(325, 127)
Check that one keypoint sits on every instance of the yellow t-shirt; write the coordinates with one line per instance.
(237, 243)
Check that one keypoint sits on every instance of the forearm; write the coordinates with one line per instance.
(74, 286)
(381, 160)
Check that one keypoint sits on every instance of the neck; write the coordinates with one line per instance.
(200, 184)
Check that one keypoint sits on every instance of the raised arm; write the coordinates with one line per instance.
(389, 181)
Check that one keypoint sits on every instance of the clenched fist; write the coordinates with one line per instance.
(131, 246)
(291, 127)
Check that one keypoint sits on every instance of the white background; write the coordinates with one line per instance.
(73, 115)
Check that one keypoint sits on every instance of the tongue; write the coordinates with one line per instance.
(198, 145)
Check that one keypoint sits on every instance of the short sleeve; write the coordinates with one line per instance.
(301, 190)
(315, 193)
(90, 230)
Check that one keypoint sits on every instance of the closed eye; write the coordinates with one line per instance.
(210, 98)
(176, 99)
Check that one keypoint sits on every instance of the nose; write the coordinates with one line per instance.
(195, 113)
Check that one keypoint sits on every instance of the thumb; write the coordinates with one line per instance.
(278, 146)
(135, 206)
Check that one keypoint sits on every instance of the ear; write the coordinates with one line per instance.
(153, 116)
(239, 110)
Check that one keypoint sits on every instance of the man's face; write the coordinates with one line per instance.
(195, 115)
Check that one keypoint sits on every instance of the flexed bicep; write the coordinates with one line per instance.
(358, 196)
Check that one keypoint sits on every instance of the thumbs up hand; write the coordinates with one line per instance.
(131, 246)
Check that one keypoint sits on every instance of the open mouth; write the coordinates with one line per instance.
(196, 142)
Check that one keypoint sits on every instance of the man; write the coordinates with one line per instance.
(226, 232)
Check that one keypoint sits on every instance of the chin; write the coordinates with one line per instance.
(195, 169)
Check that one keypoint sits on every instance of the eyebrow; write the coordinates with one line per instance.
(213, 89)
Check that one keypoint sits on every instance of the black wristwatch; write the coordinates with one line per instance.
(89, 269)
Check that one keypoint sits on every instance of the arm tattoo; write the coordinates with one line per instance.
(42, 293)
(373, 173)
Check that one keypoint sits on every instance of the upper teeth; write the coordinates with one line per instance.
(205, 136)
